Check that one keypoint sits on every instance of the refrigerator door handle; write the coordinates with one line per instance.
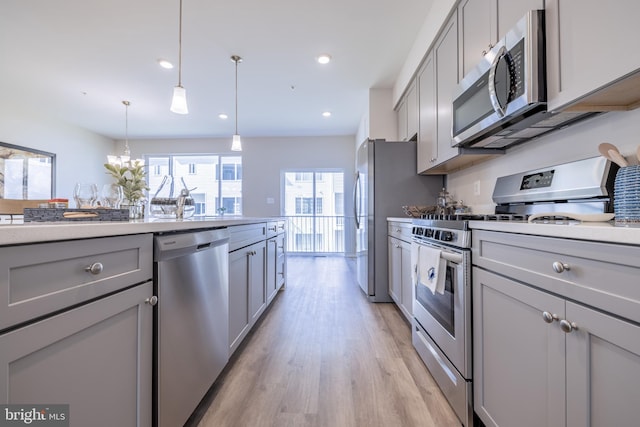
(356, 200)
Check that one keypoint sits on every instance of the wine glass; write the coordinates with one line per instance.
(111, 196)
(85, 195)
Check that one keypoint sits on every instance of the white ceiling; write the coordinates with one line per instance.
(76, 60)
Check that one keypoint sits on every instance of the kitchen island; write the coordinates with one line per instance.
(78, 302)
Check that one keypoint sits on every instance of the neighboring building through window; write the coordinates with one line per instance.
(200, 173)
(314, 207)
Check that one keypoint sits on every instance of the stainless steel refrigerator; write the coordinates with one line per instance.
(386, 180)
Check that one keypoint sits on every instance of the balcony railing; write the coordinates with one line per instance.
(316, 234)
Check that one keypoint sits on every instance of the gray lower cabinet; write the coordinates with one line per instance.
(257, 263)
(556, 333)
(276, 265)
(247, 280)
(76, 328)
(518, 359)
(400, 284)
(96, 358)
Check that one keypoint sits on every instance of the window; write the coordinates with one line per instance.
(230, 172)
(201, 172)
(304, 206)
(304, 176)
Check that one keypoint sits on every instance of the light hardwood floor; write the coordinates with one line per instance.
(323, 356)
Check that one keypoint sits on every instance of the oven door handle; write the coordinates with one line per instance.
(450, 256)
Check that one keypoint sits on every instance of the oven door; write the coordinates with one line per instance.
(446, 317)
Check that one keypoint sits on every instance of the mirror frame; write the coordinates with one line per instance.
(8, 151)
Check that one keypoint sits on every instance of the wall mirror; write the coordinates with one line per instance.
(26, 173)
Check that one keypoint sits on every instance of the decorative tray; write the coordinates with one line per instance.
(59, 215)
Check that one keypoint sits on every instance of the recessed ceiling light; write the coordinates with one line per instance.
(324, 58)
(165, 64)
(223, 116)
(326, 114)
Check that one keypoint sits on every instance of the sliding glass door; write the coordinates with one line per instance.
(314, 207)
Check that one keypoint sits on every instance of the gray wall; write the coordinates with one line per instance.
(263, 160)
(79, 154)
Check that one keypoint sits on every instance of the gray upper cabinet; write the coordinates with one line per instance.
(427, 147)
(484, 22)
(592, 52)
(509, 12)
(447, 78)
(401, 114)
(412, 111)
(407, 114)
(437, 79)
(475, 32)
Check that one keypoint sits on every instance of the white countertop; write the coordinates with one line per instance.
(593, 231)
(32, 232)
(398, 219)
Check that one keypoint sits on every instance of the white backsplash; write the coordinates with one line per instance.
(576, 142)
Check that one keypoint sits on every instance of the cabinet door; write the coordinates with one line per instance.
(475, 32)
(603, 369)
(272, 261)
(257, 282)
(588, 53)
(401, 115)
(395, 270)
(518, 362)
(446, 60)
(427, 147)
(239, 320)
(96, 358)
(412, 111)
(407, 284)
(509, 12)
(281, 260)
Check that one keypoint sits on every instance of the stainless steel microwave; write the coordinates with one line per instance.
(502, 101)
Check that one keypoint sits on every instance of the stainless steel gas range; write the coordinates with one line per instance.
(442, 330)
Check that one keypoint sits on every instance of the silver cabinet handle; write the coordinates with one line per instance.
(548, 317)
(252, 253)
(275, 228)
(567, 326)
(560, 267)
(95, 268)
(152, 301)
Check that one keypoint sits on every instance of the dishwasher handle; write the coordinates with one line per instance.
(173, 245)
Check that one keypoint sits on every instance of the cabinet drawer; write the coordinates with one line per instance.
(245, 235)
(400, 230)
(602, 275)
(42, 278)
(274, 228)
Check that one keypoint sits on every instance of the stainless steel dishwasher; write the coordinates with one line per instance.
(192, 318)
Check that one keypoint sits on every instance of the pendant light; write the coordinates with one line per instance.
(125, 158)
(236, 144)
(179, 102)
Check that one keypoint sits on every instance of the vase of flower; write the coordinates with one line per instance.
(131, 177)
